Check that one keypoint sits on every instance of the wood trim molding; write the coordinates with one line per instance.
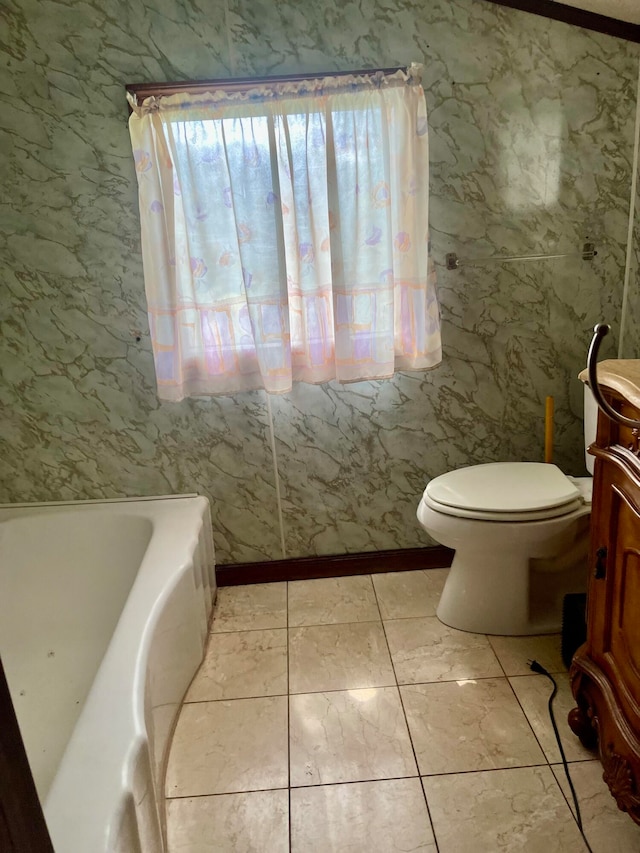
(306, 568)
(577, 17)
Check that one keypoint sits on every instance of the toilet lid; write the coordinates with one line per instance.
(503, 487)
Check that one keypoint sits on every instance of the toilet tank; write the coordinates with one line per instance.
(590, 425)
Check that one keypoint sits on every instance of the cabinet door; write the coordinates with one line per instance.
(618, 593)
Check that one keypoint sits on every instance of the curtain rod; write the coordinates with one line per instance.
(239, 84)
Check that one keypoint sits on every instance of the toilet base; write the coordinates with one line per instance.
(529, 601)
(478, 626)
(509, 577)
(469, 601)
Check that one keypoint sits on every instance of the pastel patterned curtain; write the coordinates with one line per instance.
(285, 234)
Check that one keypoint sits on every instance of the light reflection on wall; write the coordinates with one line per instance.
(531, 160)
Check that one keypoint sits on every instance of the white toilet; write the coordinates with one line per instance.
(520, 531)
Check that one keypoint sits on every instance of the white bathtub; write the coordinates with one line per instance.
(104, 608)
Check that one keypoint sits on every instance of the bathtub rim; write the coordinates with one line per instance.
(94, 501)
(128, 734)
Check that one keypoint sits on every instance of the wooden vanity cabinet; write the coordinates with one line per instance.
(605, 673)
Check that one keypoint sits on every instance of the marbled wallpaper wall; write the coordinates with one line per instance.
(630, 326)
(531, 151)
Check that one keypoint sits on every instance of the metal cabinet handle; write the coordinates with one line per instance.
(600, 570)
(600, 330)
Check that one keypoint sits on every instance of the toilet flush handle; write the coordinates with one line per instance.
(599, 332)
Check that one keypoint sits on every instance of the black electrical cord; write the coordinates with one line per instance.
(537, 667)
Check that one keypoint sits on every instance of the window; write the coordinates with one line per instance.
(285, 234)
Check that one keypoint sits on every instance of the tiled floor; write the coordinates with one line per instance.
(341, 715)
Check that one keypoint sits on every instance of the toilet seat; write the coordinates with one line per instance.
(504, 491)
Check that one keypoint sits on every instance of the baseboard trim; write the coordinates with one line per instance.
(306, 568)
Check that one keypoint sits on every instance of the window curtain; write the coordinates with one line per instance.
(285, 234)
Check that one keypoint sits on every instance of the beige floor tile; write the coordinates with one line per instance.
(229, 823)
(339, 657)
(377, 817)
(533, 693)
(468, 725)
(349, 736)
(426, 650)
(402, 595)
(240, 665)
(437, 579)
(328, 601)
(501, 811)
(227, 747)
(608, 830)
(514, 652)
(250, 607)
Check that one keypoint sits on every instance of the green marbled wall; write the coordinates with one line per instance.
(532, 127)
(631, 306)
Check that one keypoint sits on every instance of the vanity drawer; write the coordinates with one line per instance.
(611, 433)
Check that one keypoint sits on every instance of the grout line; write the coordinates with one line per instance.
(529, 723)
(396, 686)
(224, 793)
(246, 631)
(236, 699)
(395, 683)
(520, 705)
(325, 624)
(386, 639)
(522, 708)
(367, 781)
(567, 796)
(357, 782)
(344, 689)
(406, 618)
(486, 770)
(335, 624)
(495, 654)
(406, 721)
(528, 671)
(451, 680)
(550, 764)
